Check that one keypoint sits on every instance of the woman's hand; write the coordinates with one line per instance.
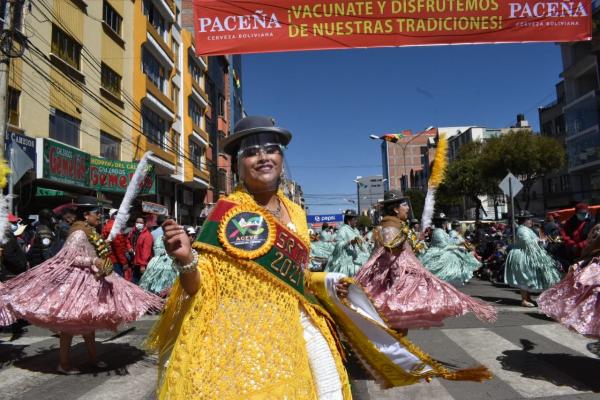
(99, 263)
(341, 289)
(177, 242)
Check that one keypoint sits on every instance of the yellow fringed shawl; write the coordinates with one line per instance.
(240, 336)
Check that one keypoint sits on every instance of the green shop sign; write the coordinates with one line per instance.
(65, 164)
(43, 192)
(115, 176)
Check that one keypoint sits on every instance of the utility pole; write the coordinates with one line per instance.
(12, 45)
(4, 71)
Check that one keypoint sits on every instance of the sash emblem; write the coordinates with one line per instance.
(247, 233)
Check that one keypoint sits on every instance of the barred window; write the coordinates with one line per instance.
(153, 69)
(197, 154)
(65, 47)
(195, 111)
(111, 81)
(153, 126)
(154, 17)
(195, 71)
(111, 18)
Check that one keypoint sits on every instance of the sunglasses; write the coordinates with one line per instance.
(267, 149)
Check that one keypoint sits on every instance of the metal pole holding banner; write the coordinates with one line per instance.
(512, 210)
(11, 193)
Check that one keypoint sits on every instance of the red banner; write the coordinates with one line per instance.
(235, 27)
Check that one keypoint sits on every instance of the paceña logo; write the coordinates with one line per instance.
(256, 21)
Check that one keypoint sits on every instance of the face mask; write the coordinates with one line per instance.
(139, 226)
(581, 216)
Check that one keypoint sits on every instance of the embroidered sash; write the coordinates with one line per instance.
(250, 234)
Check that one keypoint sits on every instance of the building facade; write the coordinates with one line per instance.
(223, 83)
(574, 118)
(100, 84)
(369, 191)
(406, 162)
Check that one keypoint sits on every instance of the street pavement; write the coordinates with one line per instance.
(530, 356)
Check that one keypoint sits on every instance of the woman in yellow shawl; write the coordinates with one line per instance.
(231, 330)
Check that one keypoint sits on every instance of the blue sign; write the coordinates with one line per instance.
(26, 143)
(329, 218)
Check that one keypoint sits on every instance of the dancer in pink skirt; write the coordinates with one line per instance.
(575, 301)
(404, 292)
(6, 316)
(73, 293)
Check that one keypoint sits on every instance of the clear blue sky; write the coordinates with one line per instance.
(333, 100)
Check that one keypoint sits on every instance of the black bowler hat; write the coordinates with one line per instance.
(350, 213)
(254, 125)
(87, 201)
(524, 215)
(394, 196)
(440, 217)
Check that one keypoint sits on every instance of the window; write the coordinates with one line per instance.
(111, 18)
(65, 47)
(153, 69)
(64, 128)
(221, 109)
(195, 71)
(176, 139)
(153, 126)
(14, 96)
(110, 146)
(175, 96)
(111, 81)
(174, 46)
(197, 154)
(195, 111)
(154, 17)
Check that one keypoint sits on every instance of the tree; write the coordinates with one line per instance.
(417, 201)
(527, 155)
(465, 177)
(365, 221)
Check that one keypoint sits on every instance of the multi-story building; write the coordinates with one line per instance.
(556, 186)
(106, 82)
(70, 96)
(578, 105)
(369, 191)
(404, 161)
(223, 83)
(294, 192)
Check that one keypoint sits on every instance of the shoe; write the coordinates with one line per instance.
(63, 371)
(526, 303)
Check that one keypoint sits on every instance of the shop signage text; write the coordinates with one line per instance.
(114, 176)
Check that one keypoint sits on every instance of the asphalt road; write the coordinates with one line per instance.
(531, 357)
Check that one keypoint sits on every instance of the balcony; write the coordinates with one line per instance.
(584, 151)
(161, 97)
(160, 41)
(582, 114)
(202, 93)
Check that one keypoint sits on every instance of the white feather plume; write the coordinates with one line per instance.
(3, 218)
(132, 191)
(428, 209)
